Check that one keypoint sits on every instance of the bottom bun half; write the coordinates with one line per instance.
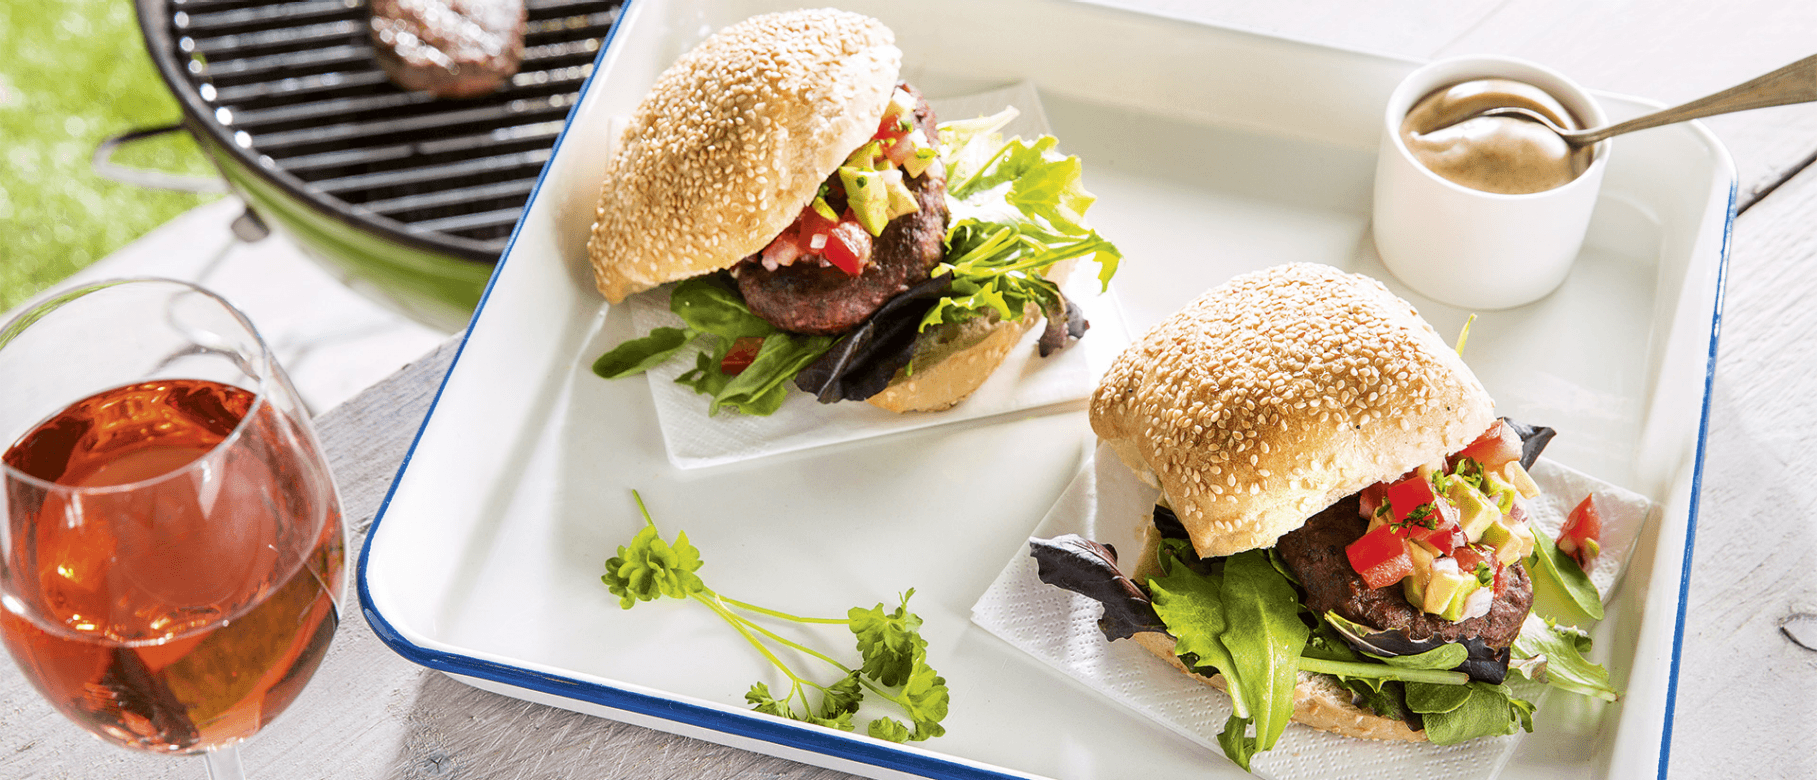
(952, 361)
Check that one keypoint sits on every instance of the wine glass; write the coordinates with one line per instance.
(171, 544)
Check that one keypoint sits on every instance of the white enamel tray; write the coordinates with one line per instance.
(1213, 152)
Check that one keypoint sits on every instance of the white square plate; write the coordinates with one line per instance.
(1213, 152)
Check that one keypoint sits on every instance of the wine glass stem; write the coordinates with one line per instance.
(224, 763)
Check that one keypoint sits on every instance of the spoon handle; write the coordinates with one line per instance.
(1794, 83)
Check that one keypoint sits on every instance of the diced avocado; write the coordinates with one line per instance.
(1455, 608)
(1520, 479)
(1496, 534)
(868, 198)
(1474, 510)
(865, 158)
(1414, 585)
(1511, 542)
(1444, 587)
(923, 157)
(902, 201)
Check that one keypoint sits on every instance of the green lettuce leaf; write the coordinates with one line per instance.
(642, 354)
(1264, 637)
(1456, 713)
(1564, 572)
(1241, 618)
(1558, 656)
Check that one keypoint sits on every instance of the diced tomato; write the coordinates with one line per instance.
(891, 128)
(1497, 446)
(1439, 528)
(1409, 494)
(1581, 535)
(739, 357)
(1471, 556)
(848, 247)
(899, 151)
(1380, 557)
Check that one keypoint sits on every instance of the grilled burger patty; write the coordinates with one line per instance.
(1315, 554)
(452, 48)
(810, 298)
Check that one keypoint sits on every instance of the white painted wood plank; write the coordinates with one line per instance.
(1746, 690)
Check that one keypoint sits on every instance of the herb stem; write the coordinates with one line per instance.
(782, 615)
(743, 627)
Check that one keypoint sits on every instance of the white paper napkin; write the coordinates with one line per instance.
(1024, 381)
(1106, 503)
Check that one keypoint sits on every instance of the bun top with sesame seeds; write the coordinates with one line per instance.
(734, 140)
(1278, 393)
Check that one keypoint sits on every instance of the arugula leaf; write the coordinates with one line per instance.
(763, 385)
(1264, 637)
(894, 655)
(1556, 655)
(1243, 620)
(1456, 713)
(1436, 699)
(709, 305)
(1236, 741)
(642, 354)
(1565, 573)
(1441, 657)
(1192, 606)
(1017, 208)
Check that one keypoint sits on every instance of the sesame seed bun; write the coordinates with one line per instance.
(1279, 392)
(734, 140)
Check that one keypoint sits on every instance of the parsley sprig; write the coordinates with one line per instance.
(894, 656)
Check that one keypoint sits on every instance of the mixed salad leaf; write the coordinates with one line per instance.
(1017, 208)
(893, 654)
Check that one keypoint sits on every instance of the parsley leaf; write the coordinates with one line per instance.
(890, 642)
(652, 568)
(894, 655)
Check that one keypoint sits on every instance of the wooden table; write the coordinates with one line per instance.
(1747, 687)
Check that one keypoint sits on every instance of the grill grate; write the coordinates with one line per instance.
(295, 86)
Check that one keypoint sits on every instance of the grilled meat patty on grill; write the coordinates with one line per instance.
(808, 297)
(1315, 554)
(451, 48)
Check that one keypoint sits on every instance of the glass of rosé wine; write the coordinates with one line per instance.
(171, 545)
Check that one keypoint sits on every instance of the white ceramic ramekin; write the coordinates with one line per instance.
(1467, 247)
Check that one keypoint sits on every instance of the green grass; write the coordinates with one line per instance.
(72, 73)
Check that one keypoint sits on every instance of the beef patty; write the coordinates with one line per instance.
(810, 298)
(1315, 554)
(451, 48)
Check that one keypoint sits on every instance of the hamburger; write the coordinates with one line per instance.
(1341, 536)
(798, 190)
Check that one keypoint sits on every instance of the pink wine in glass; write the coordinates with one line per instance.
(172, 594)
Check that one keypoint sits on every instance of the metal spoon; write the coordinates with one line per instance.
(1794, 83)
